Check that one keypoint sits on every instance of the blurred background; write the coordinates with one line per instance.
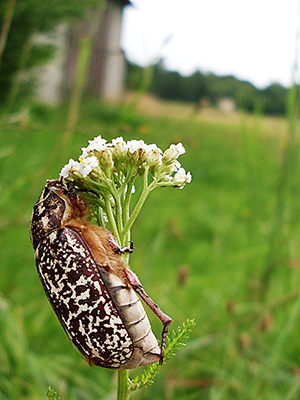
(222, 78)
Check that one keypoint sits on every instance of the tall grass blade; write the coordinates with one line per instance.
(278, 240)
(8, 16)
(83, 61)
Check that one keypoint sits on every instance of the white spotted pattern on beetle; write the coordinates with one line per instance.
(88, 286)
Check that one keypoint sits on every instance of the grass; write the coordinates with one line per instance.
(201, 253)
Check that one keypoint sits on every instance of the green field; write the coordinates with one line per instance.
(224, 251)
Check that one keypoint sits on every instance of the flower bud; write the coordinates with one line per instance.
(134, 145)
(168, 169)
(137, 158)
(179, 147)
(153, 158)
(136, 152)
(172, 153)
(181, 178)
(120, 149)
(105, 160)
(165, 180)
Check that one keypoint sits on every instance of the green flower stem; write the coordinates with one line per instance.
(125, 235)
(136, 211)
(145, 177)
(111, 218)
(123, 387)
(119, 214)
(118, 207)
(98, 202)
(126, 200)
(146, 190)
(100, 217)
(96, 187)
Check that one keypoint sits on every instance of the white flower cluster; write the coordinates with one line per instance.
(106, 161)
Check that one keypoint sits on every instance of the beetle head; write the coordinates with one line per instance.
(56, 205)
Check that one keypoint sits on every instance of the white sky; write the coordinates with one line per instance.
(254, 40)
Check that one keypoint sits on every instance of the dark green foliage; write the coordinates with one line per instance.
(171, 85)
(274, 99)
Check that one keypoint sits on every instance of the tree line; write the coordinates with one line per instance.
(201, 88)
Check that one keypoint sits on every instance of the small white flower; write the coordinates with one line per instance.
(133, 189)
(172, 153)
(134, 145)
(177, 149)
(85, 152)
(181, 178)
(180, 148)
(72, 164)
(87, 165)
(120, 146)
(119, 141)
(154, 158)
(97, 144)
(180, 172)
(119, 152)
(151, 147)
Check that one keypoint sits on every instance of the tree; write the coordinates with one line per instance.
(274, 99)
(30, 17)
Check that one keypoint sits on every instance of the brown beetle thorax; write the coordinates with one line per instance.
(53, 210)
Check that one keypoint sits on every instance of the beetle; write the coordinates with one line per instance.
(91, 290)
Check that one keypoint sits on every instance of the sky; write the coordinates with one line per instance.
(252, 40)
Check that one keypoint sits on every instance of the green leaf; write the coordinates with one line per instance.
(173, 342)
(52, 394)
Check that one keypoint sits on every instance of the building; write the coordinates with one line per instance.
(105, 76)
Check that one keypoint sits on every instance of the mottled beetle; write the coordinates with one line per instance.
(88, 285)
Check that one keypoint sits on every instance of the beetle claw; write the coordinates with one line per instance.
(127, 249)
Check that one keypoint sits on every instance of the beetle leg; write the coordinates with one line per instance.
(126, 249)
(117, 249)
(165, 319)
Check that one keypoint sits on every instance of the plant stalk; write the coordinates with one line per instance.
(83, 62)
(123, 387)
(8, 16)
(111, 219)
(146, 190)
(15, 88)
